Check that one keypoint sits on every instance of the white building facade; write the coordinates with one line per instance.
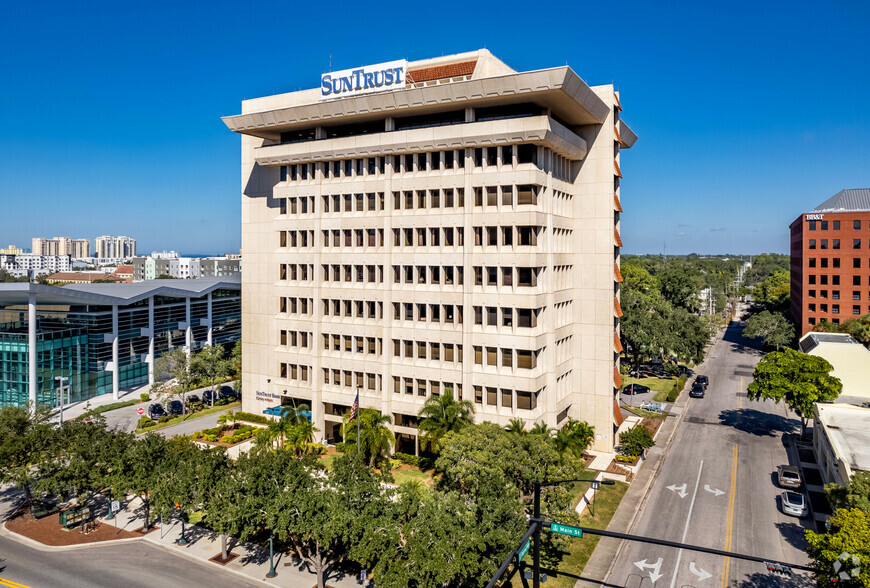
(453, 230)
(117, 247)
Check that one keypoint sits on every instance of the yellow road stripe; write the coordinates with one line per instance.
(11, 584)
(732, 500)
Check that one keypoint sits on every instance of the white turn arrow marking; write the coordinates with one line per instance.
(700, 572)
(714, 491)
(654, 574)
(681, 490)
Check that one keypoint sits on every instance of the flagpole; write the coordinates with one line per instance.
(357, 421)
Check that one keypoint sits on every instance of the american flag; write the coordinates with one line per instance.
(354, 407)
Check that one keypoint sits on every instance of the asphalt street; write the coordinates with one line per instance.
(716, 488)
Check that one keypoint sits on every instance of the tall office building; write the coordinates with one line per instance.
(830, 261)
(109, 246)
(445, 226)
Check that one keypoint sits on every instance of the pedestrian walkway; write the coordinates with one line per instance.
(77, 409)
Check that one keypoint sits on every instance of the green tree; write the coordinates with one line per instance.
(541, 429)
(280, 429)
(574, 437)
(681, 288)
(850, 534)
(329, 515)
(635, 440)
(798, 379)
(855, 494)
(771, 327)
(442, 414)
(176, 364)
(210, 364)
(774, 291)
(144, 466)
(858, 328)
(375, 437)
(824, 326)
(517, 426)
(24, 442)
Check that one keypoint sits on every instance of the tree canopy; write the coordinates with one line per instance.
(797, 379)
(771, 327)
(850, 535)
(855, 494)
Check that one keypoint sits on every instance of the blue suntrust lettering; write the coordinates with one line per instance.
(361, 80)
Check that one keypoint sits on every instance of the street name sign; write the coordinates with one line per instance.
(565, 530)
(524, 550)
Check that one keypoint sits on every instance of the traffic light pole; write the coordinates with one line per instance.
(536, 555)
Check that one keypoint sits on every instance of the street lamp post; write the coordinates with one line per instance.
(272, 573)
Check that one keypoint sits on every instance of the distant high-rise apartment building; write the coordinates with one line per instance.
(11, 250)
(830, 261)
(446, 226)
(109, 246)
(75, 248)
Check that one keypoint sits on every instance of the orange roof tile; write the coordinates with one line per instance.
(439, 72)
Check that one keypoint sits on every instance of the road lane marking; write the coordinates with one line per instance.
(686, 528)
(729, 527)
(681, 490)
(654, 575)
(715, 491)
(11, 583)
(700, 572)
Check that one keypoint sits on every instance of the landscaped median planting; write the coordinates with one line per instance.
(228, 435)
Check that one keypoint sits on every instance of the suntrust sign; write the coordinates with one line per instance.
(364, 80)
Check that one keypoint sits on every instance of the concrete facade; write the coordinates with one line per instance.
(119, 247)
(457, 236)
(841, 441)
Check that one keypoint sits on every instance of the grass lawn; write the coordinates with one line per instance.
(408, 474)
(195, 415)
(327, 459)
(645, 413)
(579, 550)
(661, 387)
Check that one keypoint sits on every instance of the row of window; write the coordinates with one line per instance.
(292, 371)
(353, 344)
(350, 379)
(835, 294)
(522, 317)
(433, 313)
(506, 196)
(411, 386)
(509, 398)
(526, 277)
(499, 158)
(835, 244)
(526, 236)
(835, 308)
(372, 274)
(835, 262)
(431, 350)
(525, 358)
(295, 338)
(835, 225)
(353, 309)
(429, 237)
(812, 279)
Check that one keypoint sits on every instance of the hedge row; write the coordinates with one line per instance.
(251, 417)
(424, 463)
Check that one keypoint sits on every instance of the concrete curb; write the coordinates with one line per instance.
(206, 563)
(43, 547)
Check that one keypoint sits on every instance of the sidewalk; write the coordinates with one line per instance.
(598, 567)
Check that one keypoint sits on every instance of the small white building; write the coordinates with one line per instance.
(851, 362)
(841, 441)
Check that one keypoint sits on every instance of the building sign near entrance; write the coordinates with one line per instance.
(815, 217)
(268, 396)
(363, 80)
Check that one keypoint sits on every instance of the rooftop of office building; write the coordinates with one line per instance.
(851, 200)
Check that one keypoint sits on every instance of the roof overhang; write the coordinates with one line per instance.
(558, 89)
(18, 293)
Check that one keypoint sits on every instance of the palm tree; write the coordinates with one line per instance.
(574, 437)
(209, 363)
(541, 429)
(302, 436)
(296, 414)
(375, 437)
(517, 426)
(442, 414)
(280, 429)
(228, 418)
(264, 441)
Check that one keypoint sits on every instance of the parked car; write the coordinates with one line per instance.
(794, 503)
(228, 393)
(193, 401)
(703, 381)
(175, 407)
(635, 389)
(155, 411)
(788, 476)
(697, 391)
(210, 397)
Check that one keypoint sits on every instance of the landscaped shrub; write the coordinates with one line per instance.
(634, 441)
(145, 422)
(625, 458)
(251, 418)
(226, 439)
(316, 449)
(210, 438)
(164, 419)
(424, 463)
(342, 446)
(678, 387)
(144, 397)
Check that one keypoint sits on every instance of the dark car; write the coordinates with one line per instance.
(175, 407)
(697, 390)
(228, 393)
(635, 389)
(209, 397)
(193, 401)
(703, 381)
(155, 411)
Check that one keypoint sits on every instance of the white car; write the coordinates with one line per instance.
(794, 503)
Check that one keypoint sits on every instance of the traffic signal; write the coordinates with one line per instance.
(777, 568)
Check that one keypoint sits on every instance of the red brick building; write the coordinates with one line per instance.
(830, 261)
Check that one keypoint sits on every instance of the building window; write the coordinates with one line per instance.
(812, 262)
(824, 225)
(856, 309)
(812, 244)
(812, 225)
(836, 225)
(856, 224)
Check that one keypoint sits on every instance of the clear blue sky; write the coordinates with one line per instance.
(748, 113)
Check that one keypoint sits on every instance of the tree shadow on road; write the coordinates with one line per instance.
(793, 533)
(769, 580)
(758, 423)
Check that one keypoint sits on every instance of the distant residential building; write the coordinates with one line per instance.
(11, 250)
(165, 254)
(80, 277)
(75, 248)
(124, 273)
(34, 261)
(111, 246)
(830, 270)
(219, 266)
(150, 268)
